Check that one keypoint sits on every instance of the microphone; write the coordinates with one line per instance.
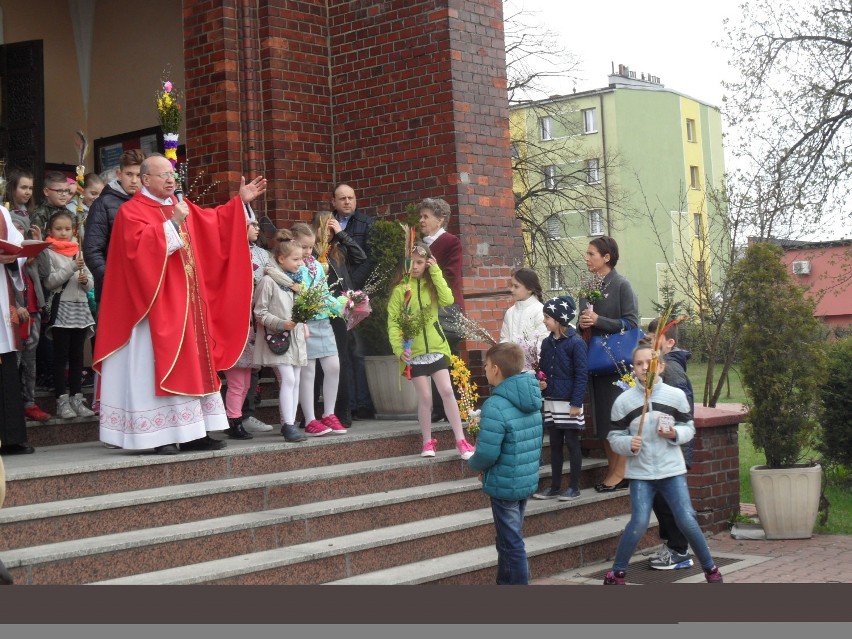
(179, 194)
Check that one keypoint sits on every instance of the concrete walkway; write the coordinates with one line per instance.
(820, 559)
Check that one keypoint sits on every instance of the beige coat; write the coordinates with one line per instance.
(272, 307)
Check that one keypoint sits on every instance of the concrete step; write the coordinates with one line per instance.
(323, 560)
(46, 522)
(547, 553)
(77, 471)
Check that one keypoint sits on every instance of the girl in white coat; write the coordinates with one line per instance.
(273, 310)
(523, 323)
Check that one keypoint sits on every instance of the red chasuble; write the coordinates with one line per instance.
(196, 299)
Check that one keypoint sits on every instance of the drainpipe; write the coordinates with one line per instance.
(606, 167)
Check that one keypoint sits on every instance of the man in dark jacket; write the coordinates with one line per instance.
(675, 553)
(103, 211)
(357, 225)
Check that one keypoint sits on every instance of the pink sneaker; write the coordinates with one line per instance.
(316, 428)
(429, 448)
(465, 449)
(334, 424)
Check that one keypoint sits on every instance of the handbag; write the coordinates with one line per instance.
(54, 306)
(279, 343)
(607, 351)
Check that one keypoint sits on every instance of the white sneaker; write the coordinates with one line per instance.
(79, 407)
(63, 408)
(254, 425)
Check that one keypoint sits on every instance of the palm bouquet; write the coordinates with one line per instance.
(410, 323)
(310, 302)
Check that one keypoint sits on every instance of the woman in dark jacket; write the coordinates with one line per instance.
(616, 306)
(340, 252)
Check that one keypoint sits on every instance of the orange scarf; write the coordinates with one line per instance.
(63, 247)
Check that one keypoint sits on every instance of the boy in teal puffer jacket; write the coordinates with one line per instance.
(508, 452)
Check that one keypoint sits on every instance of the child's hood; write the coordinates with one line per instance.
(521, 391)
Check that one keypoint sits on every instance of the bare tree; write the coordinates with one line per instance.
(792, 108)
(558, 174)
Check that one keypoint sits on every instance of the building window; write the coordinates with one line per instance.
(596, 223)
(590, 121)
(515, 152)
(555, 278)
(690, 130)
(593, 173)
(694, 182)
(554, 228)
(701, 268)
(550, 177)
(545, 126)
(699, 229)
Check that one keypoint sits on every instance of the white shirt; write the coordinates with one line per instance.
(428, 239)
(7, 337)
(524, 322)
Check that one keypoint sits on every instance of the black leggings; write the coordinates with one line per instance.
(68, 349)
(569, 437)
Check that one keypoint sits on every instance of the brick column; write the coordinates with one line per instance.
(714, 479)
(403, 99)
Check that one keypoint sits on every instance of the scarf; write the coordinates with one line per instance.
(281, 277)
(63, 247)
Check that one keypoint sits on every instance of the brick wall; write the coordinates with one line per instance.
(402, 99)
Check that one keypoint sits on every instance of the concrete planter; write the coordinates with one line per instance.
(393, 396)
(787, 500)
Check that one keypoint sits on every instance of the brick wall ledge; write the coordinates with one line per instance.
(720, 415)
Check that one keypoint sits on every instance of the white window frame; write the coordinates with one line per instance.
(698, 226)
(545, 127)
(593, 171)
(694, 178)
(550, 181)
(590, 120)
(554, 227)
(554, 277)
(596, 222)
(690, 130)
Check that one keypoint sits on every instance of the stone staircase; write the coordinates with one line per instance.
(362, 508)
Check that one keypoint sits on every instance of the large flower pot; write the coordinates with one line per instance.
(393, 396)
(787, 500)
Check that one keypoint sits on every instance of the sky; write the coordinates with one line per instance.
(667, 38)
(675, 40)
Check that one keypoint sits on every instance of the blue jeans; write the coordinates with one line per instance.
(512, 567)
(675, 491)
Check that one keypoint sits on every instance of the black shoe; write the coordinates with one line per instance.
(168, 449)
(204, 443)
(5, 577)
(292, 434)
(622, 485)
(17, 449)
(236, 430)
(437, 418)
(364, 413)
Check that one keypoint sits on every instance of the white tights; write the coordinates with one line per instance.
(331, 377)
(423, 388)
(288, 391)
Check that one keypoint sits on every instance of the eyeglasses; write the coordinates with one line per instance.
(60, 191)
(165, 175)
(419, 250)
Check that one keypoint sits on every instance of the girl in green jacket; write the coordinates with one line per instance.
(424, 352)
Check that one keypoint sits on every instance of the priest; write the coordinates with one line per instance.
(176, 293)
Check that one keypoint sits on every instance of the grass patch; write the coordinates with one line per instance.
(839, 480)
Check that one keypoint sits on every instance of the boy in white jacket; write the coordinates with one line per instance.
(655, 464)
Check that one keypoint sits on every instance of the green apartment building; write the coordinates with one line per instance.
(634, 160)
